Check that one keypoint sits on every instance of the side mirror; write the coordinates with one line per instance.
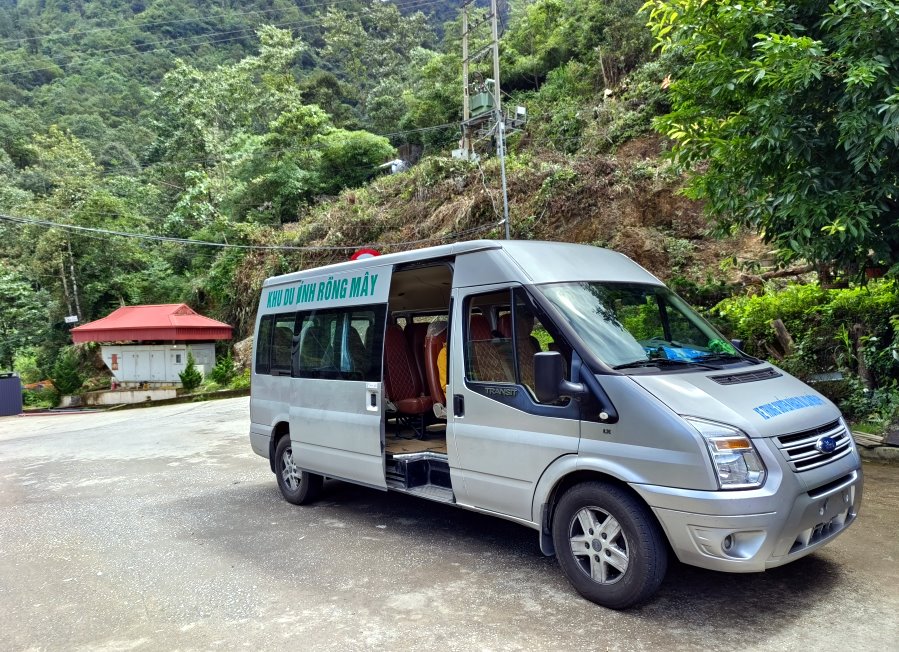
(738, 344)
(549, 378)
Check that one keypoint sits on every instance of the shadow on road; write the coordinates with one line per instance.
(743, 608)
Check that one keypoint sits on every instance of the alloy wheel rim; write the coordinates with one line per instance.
(289, 471)
(599, 545)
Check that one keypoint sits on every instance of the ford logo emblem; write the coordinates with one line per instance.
(826, 445)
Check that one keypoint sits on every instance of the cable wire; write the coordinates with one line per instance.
(223, 245)
(173, 43)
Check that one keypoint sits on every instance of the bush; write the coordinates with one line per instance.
(26, 365)
(40, 398)
(820, 322)
(65, 375)
(223, 371)
(191, 376)
(241, 381)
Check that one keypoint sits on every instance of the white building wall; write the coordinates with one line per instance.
(155, 363)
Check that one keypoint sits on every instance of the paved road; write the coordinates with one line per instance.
(159, 529)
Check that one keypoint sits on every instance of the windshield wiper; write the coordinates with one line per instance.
(661, 362)
(720, 356)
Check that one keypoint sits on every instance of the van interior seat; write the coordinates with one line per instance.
(526, 346)
(402, 383)
(281, 346)
(415, 334)
(435, 339)
(356, 351)
(312, 348)
(491, 359)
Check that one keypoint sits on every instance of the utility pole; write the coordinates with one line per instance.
(488, 99)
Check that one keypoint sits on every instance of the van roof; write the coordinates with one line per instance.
(540, 261)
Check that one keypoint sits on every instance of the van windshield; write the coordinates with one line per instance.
(632, 325)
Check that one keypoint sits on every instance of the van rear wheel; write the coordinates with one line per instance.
(297, 486)
(608, 545)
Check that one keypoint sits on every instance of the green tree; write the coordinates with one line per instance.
(224, 370)
(787, 118)
(23, 319)
(191, 377)
(65, 375)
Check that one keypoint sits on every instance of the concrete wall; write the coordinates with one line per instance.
(156, 364)
(118, 397)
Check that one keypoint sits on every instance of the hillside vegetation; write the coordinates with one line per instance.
(255, 125)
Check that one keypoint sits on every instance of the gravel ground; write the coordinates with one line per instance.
(159, 529)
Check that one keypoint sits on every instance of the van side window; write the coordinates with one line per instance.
(341, 344)
(488, 355)
(533, 333)
(282, 341)
(264, 345)
(504, 331)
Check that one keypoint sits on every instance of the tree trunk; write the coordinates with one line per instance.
(65, 286)
(74, 281)
(783, 336)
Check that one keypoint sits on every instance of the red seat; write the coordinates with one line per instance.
(401, 380)
(435, 339)
(527, 345)
(415, 335)
(491, 360)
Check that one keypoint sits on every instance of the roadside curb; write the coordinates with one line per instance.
(870, 448)
(880, 453)
(186, 398)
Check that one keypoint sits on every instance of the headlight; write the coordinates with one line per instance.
(733, 455)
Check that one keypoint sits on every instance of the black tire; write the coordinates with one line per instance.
(297, 487)
(620, 566)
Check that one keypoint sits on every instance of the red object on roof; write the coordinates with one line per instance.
(171, 321)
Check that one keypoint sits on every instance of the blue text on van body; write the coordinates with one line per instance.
(331, 290)
(776, 408)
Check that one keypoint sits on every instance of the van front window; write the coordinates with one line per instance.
(631, 325)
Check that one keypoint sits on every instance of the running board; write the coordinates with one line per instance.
(429, 491)
(424, 474)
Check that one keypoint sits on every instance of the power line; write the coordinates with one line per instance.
(172, 43)
(223, 245)
(142, 25)
(138, 167)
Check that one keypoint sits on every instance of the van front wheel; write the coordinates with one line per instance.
(297, 486)
(608, 545)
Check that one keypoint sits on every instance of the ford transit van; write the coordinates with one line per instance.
(559, 386)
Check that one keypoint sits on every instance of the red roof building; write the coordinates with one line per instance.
(166, 322)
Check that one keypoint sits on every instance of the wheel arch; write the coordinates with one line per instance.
(281, 429)
(567, 474)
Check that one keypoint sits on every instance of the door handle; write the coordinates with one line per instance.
(372, 391)
(458, 405)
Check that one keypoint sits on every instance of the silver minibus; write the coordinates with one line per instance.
(556, 385)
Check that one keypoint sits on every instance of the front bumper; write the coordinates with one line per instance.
(794, 523)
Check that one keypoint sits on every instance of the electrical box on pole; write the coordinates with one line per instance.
(482, 112)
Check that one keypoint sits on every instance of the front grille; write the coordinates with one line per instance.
(799, 447)
(746, 377)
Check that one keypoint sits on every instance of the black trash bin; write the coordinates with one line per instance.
(10, 394)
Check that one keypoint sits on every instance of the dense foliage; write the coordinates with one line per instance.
(821, 322)
(848, 331)
(787, 117)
